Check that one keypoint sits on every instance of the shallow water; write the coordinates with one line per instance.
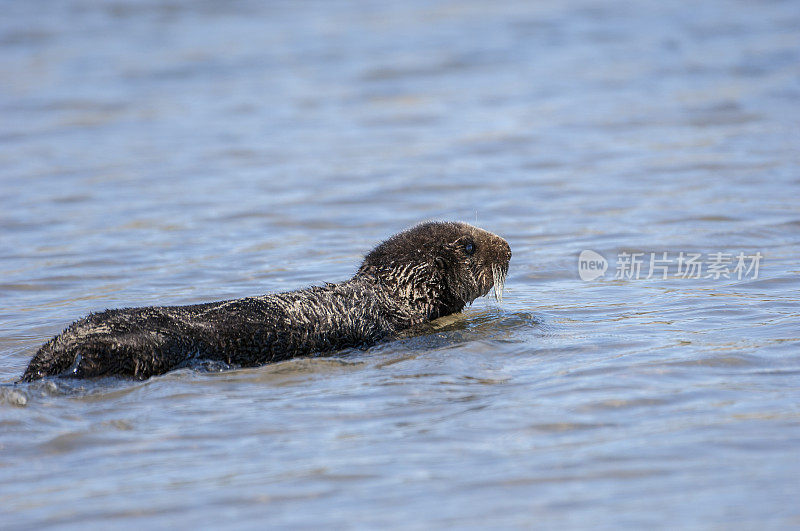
(171, 153)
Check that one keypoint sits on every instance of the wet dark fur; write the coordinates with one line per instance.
(413, 277)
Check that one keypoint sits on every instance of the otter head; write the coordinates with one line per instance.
(437, 268)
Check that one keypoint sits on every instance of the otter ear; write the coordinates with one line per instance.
(445, 257)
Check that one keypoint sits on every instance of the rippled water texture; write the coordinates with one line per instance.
(176, 152)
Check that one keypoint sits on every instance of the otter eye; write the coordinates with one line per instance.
(469, 248)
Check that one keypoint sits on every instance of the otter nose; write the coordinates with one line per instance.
(505, 251)
(501, 252)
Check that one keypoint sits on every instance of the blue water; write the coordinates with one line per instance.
(187, 151)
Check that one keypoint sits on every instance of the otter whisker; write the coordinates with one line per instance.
(499, 278)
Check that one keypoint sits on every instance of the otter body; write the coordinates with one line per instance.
(428, 271)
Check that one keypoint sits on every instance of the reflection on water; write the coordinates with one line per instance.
(171, 153)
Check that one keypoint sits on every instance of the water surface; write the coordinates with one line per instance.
(181, 152)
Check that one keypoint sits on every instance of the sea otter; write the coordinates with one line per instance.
(428, 271)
